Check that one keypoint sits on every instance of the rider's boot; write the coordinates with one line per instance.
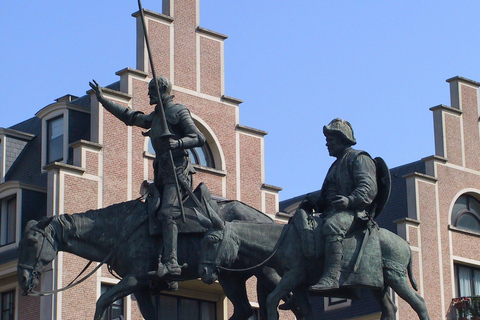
(170, 234)
(333, 259)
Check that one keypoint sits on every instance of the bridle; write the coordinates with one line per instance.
(35, 274)
(221, 248)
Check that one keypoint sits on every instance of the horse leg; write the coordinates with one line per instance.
(400, 285)
(126, 286)
(388, 307)
(234, 287)
(289, 281)
(145, 303)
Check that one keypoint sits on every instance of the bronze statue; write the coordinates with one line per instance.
(184, 135)
(347, 194)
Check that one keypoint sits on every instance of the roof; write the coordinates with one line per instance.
(27, 166)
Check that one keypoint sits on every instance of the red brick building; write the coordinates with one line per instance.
(435, 206)
(74, 156)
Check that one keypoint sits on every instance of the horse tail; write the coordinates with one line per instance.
(413, 282)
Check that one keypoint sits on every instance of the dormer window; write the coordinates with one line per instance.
(55, 136)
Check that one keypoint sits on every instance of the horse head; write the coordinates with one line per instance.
(35, 251)
(218, 247)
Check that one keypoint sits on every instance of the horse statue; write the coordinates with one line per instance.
(118, 235)
(241, 244)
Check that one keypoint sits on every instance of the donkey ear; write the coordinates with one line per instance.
(42, 224)
(217, 222)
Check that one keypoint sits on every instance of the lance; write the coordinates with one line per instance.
(160, 111)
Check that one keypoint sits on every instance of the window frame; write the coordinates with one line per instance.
(11, 287)
(9, 191)
(330, 305)
(51, 113)
(200, 302)
(108, 316)
(48, 140)
(472, 270)
(468, 211)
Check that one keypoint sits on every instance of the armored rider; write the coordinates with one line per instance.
(185, 136)
(347, 193)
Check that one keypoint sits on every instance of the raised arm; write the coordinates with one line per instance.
(127, 115)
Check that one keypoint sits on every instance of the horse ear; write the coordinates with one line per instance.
(42, 224)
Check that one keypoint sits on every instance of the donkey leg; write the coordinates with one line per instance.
(233, 285)
(400, 285)
(302, 300)
(388, 307)
(145, 303)
(289, 281)
(126, 286)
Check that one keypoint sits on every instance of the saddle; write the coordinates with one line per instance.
(195, 222)
(361, 262)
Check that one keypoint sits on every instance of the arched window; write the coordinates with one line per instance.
(199, 155)
(466, 213)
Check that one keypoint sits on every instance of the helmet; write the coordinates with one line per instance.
(164, 85)
(341, 127)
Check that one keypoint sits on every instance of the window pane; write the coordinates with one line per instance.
(474, 205)
(208, 311)
(468, 221)
(115, 310)
(55, 140)
(168, 307)
(8, 305)
(460, 205)
(11, 219)
(465, 281)
(476, 282)
(189, 310)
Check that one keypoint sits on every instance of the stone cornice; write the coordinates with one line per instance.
(249, 130)
(211, 33)
(447, 109)
(464, 80)
(407, 220)
(231, 100)
(421, 176)
(85, 143)
(64, 166)
(134, 72)
(17, 134)
(269, 187)
(155, 15)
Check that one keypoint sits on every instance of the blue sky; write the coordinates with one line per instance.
(296, 65)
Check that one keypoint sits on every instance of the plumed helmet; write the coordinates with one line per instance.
(341, 127)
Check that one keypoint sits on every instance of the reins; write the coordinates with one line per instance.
(72, 284)
(275, 249)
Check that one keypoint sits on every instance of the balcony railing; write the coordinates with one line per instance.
(466, 308)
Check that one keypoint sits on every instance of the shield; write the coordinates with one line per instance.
(384, 184)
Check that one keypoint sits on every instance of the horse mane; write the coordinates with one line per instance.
(110, 218)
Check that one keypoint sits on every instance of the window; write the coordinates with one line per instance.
(55, 139)
(8, 220)
(199, 155)
(468, 281)
(8, 305)
(202, 156)
(115, 310)
(331, 303)
(466, 213)
(179, 308)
